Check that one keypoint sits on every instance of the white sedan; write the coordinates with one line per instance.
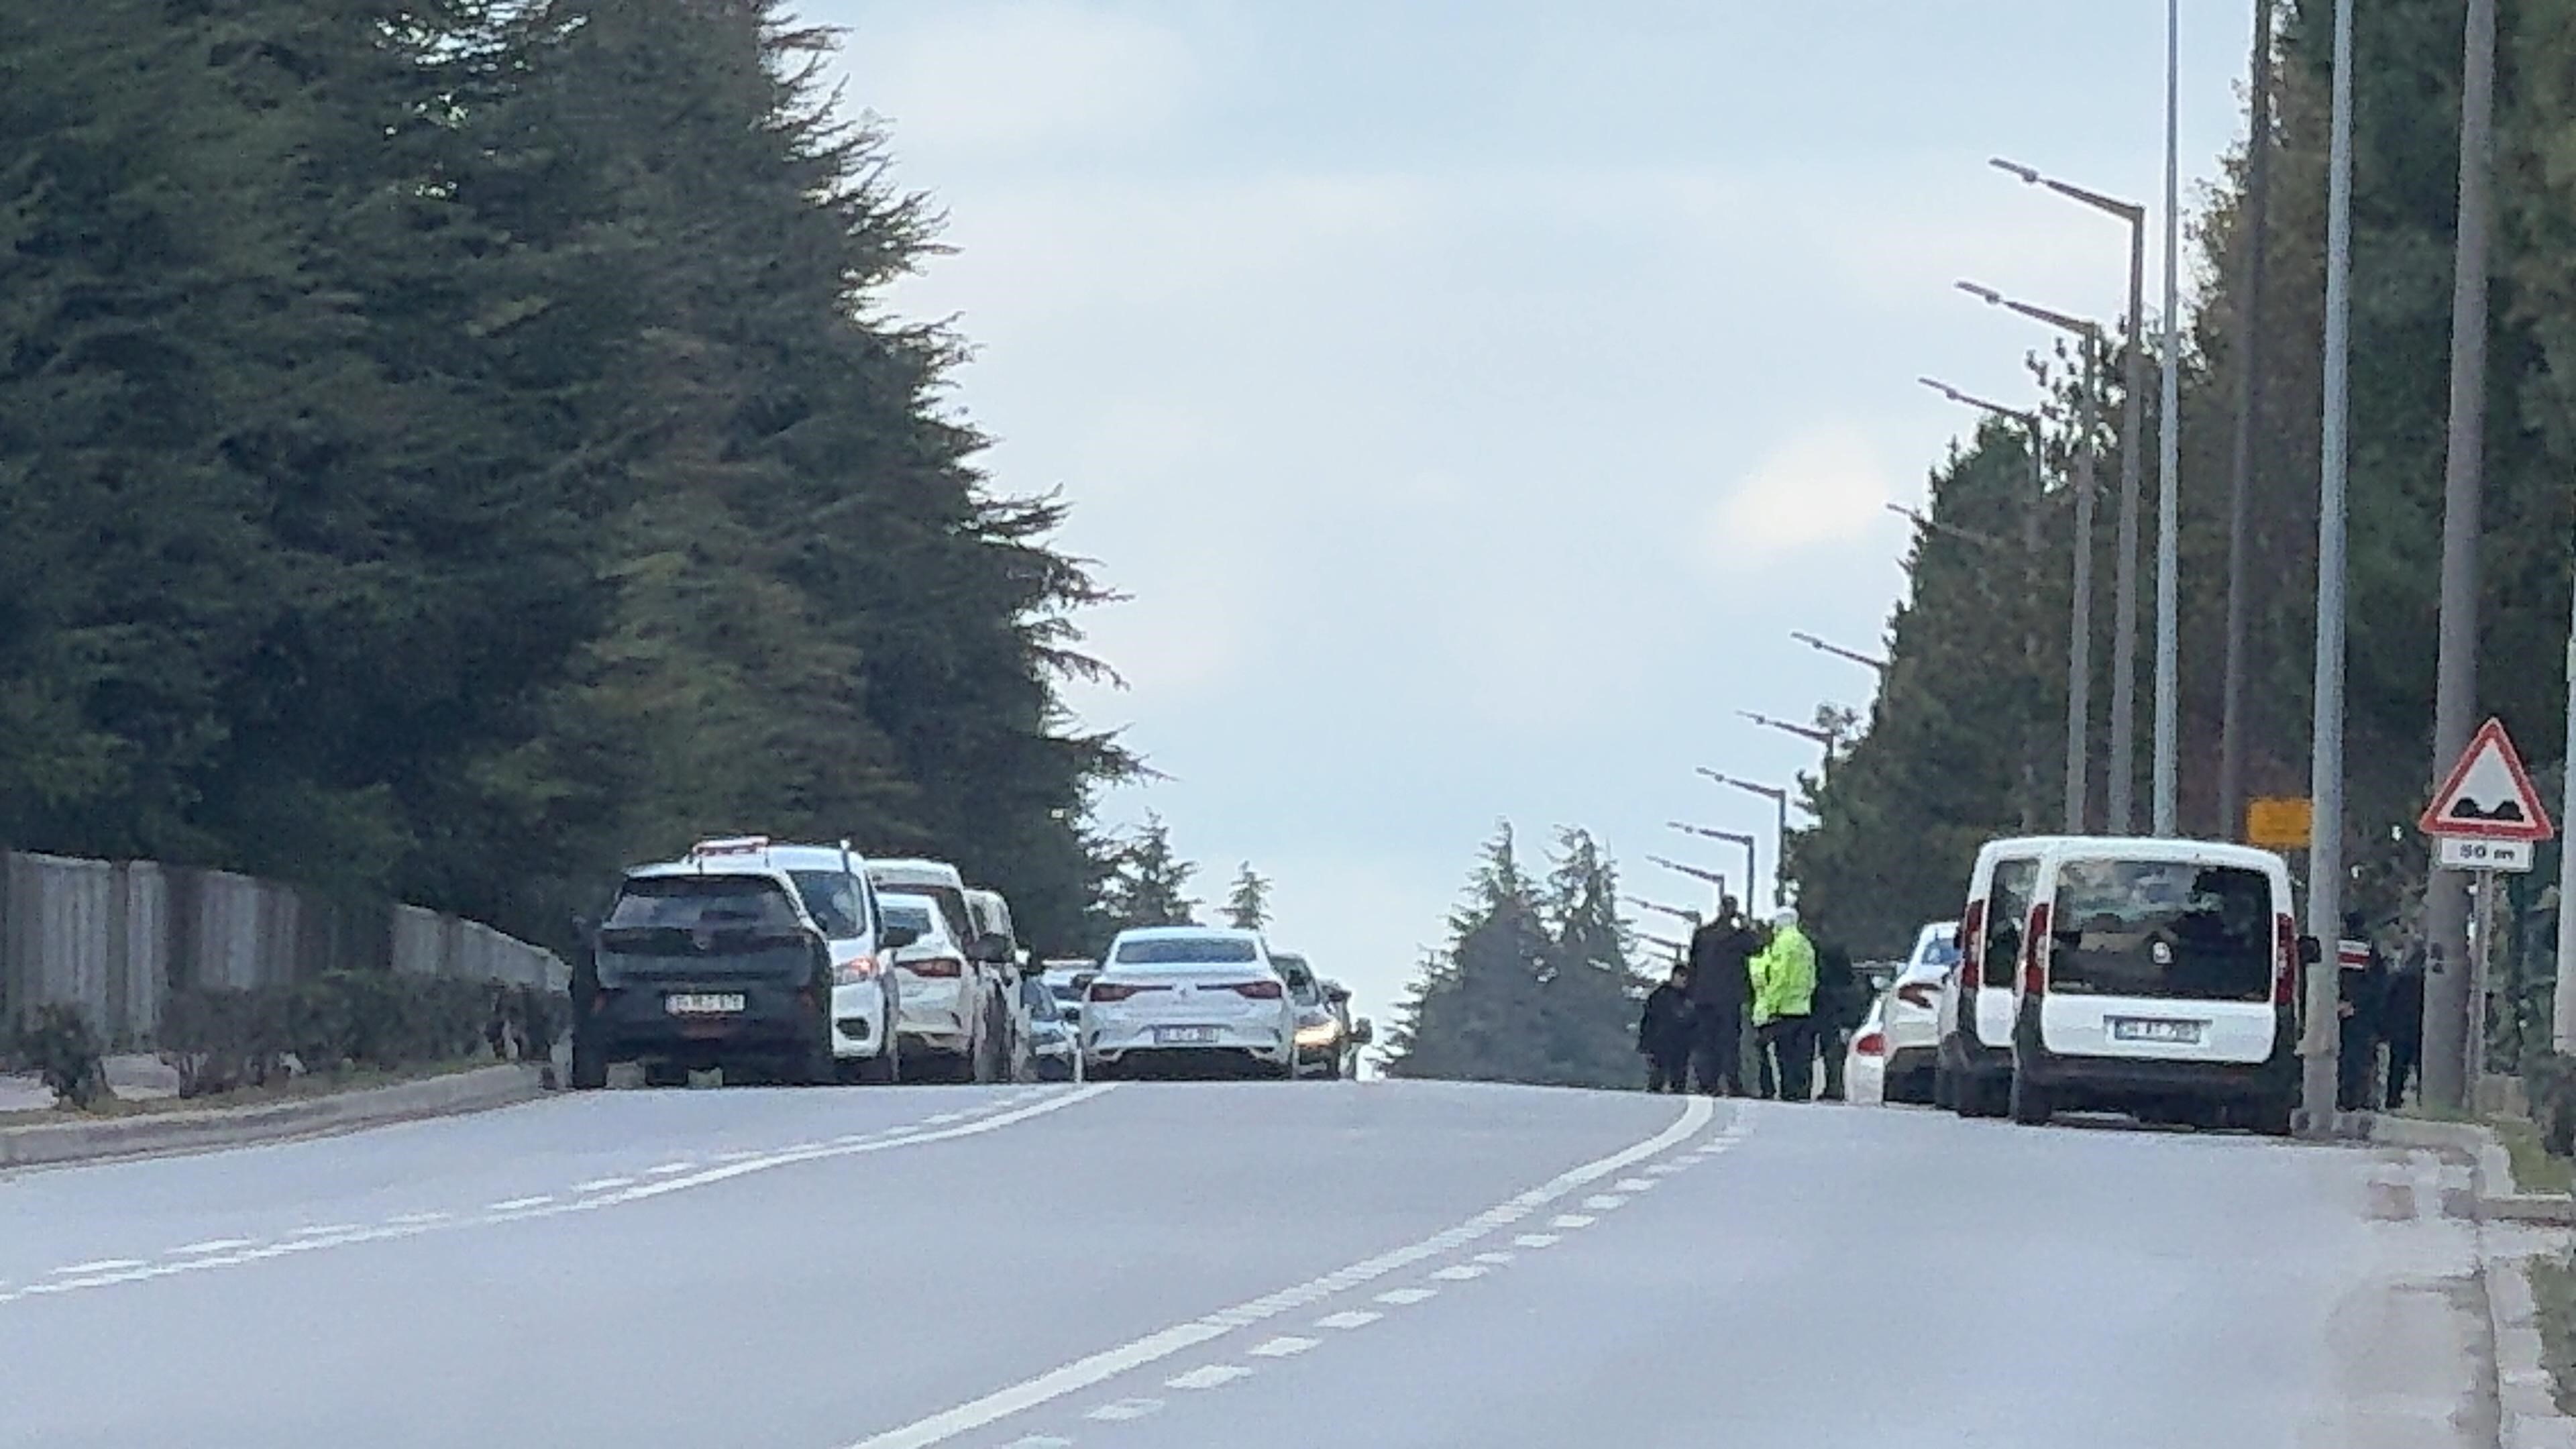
(1912, 1014)
(1188, 999)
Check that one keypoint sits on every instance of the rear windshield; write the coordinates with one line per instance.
(833, 898)
(2161, 929)
(1185, 950)
(952, 904)
(1937, 954)
(703, 903)
(2007, 910)
(1040, 1001)
(694, 925)
(912, 914)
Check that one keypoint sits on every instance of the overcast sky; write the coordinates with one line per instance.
(1473, 394)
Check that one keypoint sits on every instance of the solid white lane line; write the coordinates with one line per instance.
(1125, 1409)
(1537, 1240)
(674, 1169)
(1084, 1373)
(1209, 1376)
(545, 1206)
(1407, 1297)
(603, 1184)
(1284, 1346)
(944, 1118)
(103, 1265)
(1349, 1318)
(210, 1245)
(324, 1230)
(746, 1154)
(1572, 1220)
(1462, 1272)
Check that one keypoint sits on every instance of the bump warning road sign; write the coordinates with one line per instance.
(2488, 795)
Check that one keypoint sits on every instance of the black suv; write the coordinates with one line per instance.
(704, 969)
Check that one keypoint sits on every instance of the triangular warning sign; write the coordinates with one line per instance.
(2488, 795)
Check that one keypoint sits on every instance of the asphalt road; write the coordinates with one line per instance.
(1255, 1266)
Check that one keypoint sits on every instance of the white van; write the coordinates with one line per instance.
(2160, 978)
(1972, 1072)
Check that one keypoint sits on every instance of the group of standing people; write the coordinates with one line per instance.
(1740, 974)
(2381, 1005)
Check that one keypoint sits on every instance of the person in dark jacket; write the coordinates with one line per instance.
(2401, 1022)
(1721, 982)
(1841, 1002)
(2360, 998)
(1664, 1033)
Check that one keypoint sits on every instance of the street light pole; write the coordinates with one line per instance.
(2249, 403)
(1839, 652)
(1779, 797)
(2325, 779)
(1731, 837)
(2124, 589)
(2079, 626)
(2030, 575)
(2169, 444)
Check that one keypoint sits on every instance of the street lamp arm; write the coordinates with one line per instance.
(2129, 211)
(1715, 878)
(1838, 651)
(1986, 540)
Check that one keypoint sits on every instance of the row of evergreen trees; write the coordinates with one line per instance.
(1944, 760)
(1534, 984)
(451, 447)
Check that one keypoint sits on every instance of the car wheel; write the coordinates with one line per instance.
(886, 1067)
(2031, 1106)
(1945, 1089)
(589, 1061)
(2271, 1116)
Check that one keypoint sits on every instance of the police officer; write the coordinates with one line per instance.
(2360, 995)
(1784, 1002)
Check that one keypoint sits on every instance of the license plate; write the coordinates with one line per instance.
(703, 1003)
(2150, 1029)
(1185, 1036)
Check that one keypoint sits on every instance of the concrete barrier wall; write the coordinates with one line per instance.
(116, 938)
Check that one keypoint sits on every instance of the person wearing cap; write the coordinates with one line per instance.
(2361, 986)
(1784, 1003)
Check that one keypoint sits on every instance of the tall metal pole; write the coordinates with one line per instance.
(2079, 629)
(2124, 585)
(2030, 646)
(2249, 402)
(2562, 1015)
(2325, 781)
(2448, 1019)
(2169, 436)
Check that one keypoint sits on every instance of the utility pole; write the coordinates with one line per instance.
(2169, 443)
(2448, 1017)
(2562, 1015)
(2249, 404)
(2318, 1043)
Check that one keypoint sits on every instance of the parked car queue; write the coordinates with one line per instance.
(2159, 978)
(806, 964)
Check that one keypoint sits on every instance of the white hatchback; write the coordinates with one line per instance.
(1910, 1014)
(949, 1027)
(1188, 999)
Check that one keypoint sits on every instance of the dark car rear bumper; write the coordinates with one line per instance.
(633, 1022)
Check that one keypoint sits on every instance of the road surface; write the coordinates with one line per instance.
(1254, 1266)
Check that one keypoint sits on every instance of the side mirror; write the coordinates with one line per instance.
(895, 938)
(1959, 937)
(1363, 1032)
(1336, 993)
(2311, 951)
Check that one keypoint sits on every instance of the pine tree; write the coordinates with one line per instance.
(1475, 1015)
(1148, 884)
(1247, 906)
(1592, 990)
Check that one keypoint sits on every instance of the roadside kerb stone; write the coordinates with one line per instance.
(196, 1130)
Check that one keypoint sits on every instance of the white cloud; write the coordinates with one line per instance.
(1824, 486)
(1023, 75)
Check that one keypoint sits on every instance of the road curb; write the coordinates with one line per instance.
(157, 1134)
(2526, 1396)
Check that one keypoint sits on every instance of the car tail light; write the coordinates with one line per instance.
(1117, 990)
(854, 971)
(1870, 1044)
(2285, 961)
(1258, 990)
(1972, 945)
(938, 966)
(2034, 952)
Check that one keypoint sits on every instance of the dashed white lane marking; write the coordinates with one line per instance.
(1632, 1184)
(1407, 1297)
(1572, 1220)
(603, 1184)
(674, 1169)
(110, 1272)
(1603, 1202)
(1083, 1373)
(1208, 1376)
(103, 1265)
(1124, 1409)
(1537, 1240)
(944, 1118)
(746, 1154)
(1349, 1318)
(1462, 1272)
(210, 1245)
(853, 1139)
(1039, 1441)
(324, 1230)
(1496, 1259)
(1285, 1346)
(1667, 1169)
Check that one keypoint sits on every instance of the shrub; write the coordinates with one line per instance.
(221, 1039)
(66, 1054)
(2549, 1080)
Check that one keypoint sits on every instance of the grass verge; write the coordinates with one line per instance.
(2534, 1170)
(2553, 1296)
(323, 1084)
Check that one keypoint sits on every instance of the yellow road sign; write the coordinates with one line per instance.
(2279, 822)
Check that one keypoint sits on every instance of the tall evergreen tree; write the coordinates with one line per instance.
(1247, 906)
(1148, 883)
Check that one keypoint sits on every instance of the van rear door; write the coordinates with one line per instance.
(2007, 908)
(2162, 959)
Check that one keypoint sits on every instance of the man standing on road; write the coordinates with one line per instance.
(2360, 997)
(1664, 1033)
(1784, 1003)
(2401, 1022)
(1721, 953)
(1840, 1003)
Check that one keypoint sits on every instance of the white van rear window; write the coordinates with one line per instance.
(2161, 929)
